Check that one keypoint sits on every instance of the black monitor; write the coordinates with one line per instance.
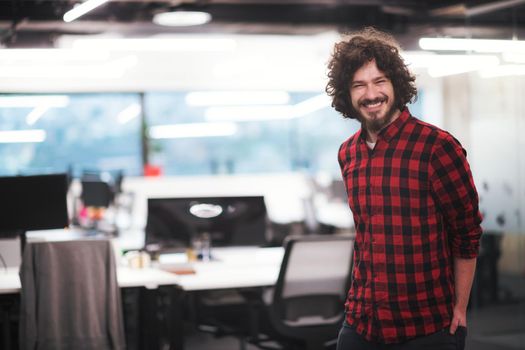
(96, 193)
(37, 202)
(99, 188)
(229, 221)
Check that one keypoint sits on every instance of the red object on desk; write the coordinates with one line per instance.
(152, 170)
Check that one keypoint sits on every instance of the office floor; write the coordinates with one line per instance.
(500, 327)
(497, 327)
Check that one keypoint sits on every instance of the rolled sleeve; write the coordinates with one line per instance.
(455, 194)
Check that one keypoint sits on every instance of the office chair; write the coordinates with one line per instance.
(70, 298)
(305, 309)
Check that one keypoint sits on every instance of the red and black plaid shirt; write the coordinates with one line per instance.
(415, 207)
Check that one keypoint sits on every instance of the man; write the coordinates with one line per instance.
(414, 204)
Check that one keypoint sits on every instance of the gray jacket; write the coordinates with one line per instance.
(70, 298)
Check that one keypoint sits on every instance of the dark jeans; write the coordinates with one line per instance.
(442, 340)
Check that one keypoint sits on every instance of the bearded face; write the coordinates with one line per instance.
(372, 95)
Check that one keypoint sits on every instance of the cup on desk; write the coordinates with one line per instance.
(201, 246)
(137, 259)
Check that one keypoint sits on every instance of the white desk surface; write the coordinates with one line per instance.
(235, 268)
(9, 281)
(232, 268)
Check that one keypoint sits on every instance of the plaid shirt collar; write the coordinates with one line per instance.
(391, 130)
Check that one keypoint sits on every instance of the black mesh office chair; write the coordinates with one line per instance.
(305, 309)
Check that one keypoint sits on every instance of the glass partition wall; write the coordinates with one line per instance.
(186, 133)
(58, 132)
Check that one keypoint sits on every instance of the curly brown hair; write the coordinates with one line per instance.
(360, 48)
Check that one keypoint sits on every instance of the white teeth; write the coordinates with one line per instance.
(374, 104)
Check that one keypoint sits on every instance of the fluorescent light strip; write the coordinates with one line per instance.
(158, 44)
(427, 60)
(111, 70)
(503, 71)
(82, 9)
(513, 57)
(437, 72)
(36, 114)
(251, 113)
(258, 113)
(52, 55)
(129, 113)
(182, 18)
(229, 98)
(191, 130)
(476, 45)
(313, 104)
(33, 101)
(444, 65)
(22, 136)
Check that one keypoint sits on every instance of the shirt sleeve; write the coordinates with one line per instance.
(340, 156)
(455, 194)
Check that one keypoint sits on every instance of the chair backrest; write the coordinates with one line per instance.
(314, 279)
(70, 296)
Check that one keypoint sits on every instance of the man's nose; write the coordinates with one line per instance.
(371, 92)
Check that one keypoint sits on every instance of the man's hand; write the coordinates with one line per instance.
(463, 276)
(459, 318)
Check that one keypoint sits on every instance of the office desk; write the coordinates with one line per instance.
(235, 268)
(231, 268)
(9, 281)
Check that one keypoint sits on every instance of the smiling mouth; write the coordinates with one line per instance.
(373, 103)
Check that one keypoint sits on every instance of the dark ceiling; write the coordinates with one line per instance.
(37, 23)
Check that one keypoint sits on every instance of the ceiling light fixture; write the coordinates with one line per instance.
(129, 113)
(476, 45)
(82, 9)
(52, 55)
(190, 130)
(258, 113)
(181, 18)
(443, 65)
(503, 71)
(513, 57)
(428, 59)
(22, 136)
(187, 44)
(114, 69)
(36, 114)
(225, 98)
(26, 101)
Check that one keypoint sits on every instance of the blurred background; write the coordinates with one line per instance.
(226, 97)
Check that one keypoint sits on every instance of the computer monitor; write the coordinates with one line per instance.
(37, 202)
(96, 193)
(229, 221)
(99, 188)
